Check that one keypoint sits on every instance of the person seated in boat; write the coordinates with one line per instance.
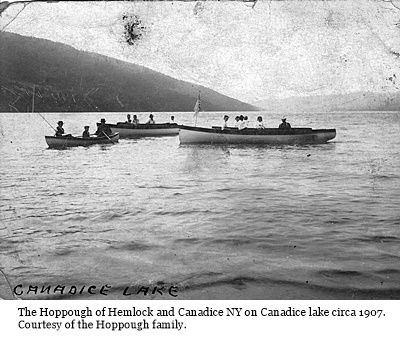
(259, 123)
(86, 132)
(241, 124)
(224, 124)
(135, 120)
(172, 121)
(284, 124)
(60, 129)
(103, 129)
(151, 119)
(128, 119)
(246, 122)
(237, 119)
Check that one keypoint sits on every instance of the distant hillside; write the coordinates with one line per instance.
(70, 80)
(347, 102)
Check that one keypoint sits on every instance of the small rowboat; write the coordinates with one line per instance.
(60, 142)
(129, 130)
(198, 135)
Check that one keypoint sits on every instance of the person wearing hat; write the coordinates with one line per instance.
(86, 132)
(151, 120)
(284, 124)
(103, 129)
(225, 122)
(60, 129)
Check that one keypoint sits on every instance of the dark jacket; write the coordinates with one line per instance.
(103, 130)
(284, 125)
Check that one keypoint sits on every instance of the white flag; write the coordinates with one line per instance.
(197, 108)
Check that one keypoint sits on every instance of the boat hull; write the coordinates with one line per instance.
(127, 130)
(197, 135)
(61, 142)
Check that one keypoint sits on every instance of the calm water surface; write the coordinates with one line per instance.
(219, 222)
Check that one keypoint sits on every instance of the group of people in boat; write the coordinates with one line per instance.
(135, 121)
(102, 130)
(242, 122)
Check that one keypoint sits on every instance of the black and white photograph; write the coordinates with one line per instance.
(200, 150)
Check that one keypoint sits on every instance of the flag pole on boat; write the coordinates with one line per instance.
(33, 108)
(197, 108)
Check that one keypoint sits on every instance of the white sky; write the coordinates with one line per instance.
(278, 49)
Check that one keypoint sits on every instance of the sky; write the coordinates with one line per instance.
(276, 49)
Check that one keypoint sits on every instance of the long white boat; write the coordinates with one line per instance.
(129, 130)
(61, 142)
(198, 135)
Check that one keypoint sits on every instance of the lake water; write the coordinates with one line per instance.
(218, 222)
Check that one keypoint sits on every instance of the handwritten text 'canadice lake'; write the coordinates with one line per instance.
(104, 290)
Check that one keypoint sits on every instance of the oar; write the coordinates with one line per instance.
(108, 137)
(33, 108)
(47, 122)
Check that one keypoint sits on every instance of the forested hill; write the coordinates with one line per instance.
(70, 80)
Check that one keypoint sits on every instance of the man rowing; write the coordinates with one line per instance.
(103, 129)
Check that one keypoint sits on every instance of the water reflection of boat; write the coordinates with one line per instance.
(215, 135)
(60, 142)
(129, 130)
